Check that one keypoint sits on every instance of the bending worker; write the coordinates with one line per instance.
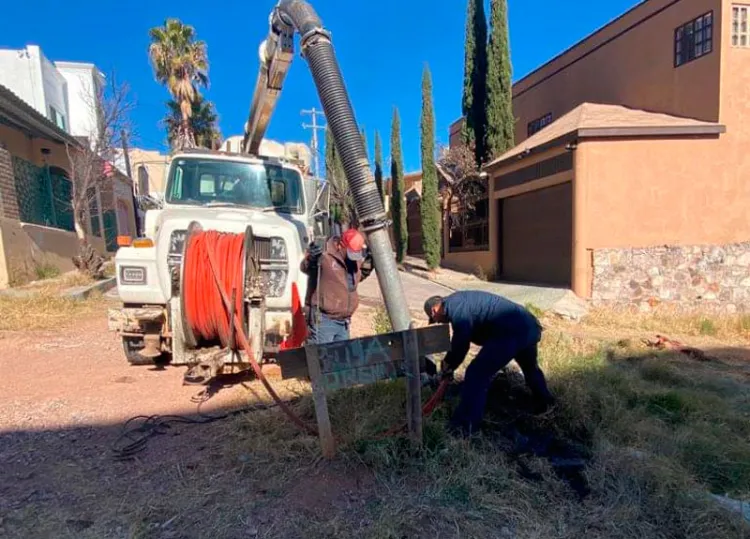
(505, 331)
(335, 270)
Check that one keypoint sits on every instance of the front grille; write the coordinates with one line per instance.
(263, 248)
(177, 240)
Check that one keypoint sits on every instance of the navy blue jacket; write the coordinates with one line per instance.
(478, 317)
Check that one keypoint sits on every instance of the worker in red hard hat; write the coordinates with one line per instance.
(335, 268)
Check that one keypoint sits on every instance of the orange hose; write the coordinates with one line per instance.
(204, 307)
(217, 257)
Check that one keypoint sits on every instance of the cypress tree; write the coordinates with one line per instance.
(342, 204)
(398, 200)
(475, 78)
(499, 134)
(330, 154)
(364, 142)
(430, 207)
(379, 164)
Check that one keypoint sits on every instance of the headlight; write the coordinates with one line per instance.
(273, 282)
(132, 275)
(177, 241)
(278, 249)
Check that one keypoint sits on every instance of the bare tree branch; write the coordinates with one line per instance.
(463, 186)
(92, 160)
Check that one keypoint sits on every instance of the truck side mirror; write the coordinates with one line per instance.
(321, 225)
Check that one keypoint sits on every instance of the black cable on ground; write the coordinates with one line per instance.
(137, 430)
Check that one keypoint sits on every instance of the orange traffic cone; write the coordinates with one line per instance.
(299, 324)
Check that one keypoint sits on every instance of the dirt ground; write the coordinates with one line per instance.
(80, 377)
(67, 394)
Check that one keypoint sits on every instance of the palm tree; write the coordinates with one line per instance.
(203, 123)
(181, 64)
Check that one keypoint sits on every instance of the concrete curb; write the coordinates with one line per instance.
(80, 293)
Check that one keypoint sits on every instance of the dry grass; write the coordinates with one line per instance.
(58, 282)
(664, 320)
(45, 309)
(662, 431)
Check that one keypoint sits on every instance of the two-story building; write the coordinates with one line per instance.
(630, 180)
(48, 111)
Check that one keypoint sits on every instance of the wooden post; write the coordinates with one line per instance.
(327, 442)
(413, 386)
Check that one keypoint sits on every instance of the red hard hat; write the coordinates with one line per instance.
(354, 242)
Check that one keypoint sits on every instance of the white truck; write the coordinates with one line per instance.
(224, 192)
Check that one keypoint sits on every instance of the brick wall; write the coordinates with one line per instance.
(709, 277)
(8, 198)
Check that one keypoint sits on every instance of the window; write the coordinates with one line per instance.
(539, 124)
(57, 118)
(142, 180)
(470, 229)
(229, 183)
(694, 39)
(740, 36)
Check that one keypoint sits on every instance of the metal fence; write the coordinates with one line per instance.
(44, 195)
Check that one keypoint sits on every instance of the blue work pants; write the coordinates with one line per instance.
(327, 330)
(494, 356)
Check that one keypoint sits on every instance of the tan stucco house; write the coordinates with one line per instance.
(149, 168)
(630, 181)
(36, 222)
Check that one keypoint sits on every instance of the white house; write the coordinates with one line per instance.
(84, 89)
(32, 77)
(65, 92)
(297, 151)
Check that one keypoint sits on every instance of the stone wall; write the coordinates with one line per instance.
(8, 202)
(704, 276)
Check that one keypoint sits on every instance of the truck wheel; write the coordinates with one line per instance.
(133, 345)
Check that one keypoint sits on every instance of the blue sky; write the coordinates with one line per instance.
(382, 47)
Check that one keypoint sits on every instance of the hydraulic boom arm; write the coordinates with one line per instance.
(276, 53)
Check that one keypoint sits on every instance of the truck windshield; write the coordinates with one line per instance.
(212, 182)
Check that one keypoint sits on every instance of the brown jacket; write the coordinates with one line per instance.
(338, 278)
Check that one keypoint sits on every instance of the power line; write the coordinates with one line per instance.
(314, 113)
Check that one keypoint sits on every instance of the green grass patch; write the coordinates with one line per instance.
(46, 271)
(707, 327)
(381, 323)
(533, 309)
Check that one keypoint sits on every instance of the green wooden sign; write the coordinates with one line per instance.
(364, 361)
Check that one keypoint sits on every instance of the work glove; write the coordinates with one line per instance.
(314, 250)
(447, 372)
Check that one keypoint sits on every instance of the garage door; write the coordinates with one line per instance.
(537, 236)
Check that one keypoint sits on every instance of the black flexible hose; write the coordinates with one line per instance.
(318, 51)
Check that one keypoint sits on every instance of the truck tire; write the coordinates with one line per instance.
(133, 345)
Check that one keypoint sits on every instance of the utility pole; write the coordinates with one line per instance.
(314, 113)
(129, 172)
